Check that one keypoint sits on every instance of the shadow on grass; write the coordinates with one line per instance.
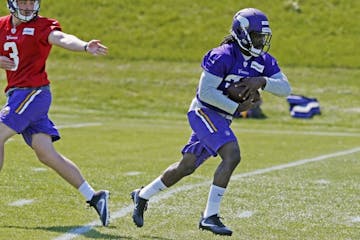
(89, 233)
(154, 237)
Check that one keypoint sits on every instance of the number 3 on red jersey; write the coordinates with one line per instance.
(14, 54)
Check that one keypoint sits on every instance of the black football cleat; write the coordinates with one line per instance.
(100, 202)
(140, 206)
(213, 224)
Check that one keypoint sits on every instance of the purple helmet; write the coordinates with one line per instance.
(16, 11)
(251, 30)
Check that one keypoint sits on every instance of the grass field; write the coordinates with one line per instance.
(316, 200)
(126, 147)
(123, 121)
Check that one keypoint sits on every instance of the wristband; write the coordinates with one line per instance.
(85, 47)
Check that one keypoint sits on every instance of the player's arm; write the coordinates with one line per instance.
(277, 84)
(209, 93)
(73, 43)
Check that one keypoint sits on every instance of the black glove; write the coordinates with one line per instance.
(253, 83)
(248, 104)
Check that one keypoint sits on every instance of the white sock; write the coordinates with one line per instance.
(86, 190)
(153, 188)
(213, 204)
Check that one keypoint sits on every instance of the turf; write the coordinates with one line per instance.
(133, 105)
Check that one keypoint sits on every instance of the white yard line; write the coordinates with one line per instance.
(79, 125)
(246, 214)
(355, 219)
(314, 133)
(21, 202)
(75, 125)
(75, 232)
(238, 127)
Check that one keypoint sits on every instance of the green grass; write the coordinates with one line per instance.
(164, 90)
(140, 95)
(324, 34)
(143, 131)
(311, 201)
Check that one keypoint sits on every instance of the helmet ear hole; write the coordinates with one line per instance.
(245, 43)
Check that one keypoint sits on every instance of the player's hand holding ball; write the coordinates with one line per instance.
(239, 92)
(252, 101)
(246, 96)
(253, 83)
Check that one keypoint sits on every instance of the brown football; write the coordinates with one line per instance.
(234, 93)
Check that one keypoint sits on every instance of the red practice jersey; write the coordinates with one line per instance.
(27, 45)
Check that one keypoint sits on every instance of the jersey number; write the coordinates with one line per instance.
(14, 54)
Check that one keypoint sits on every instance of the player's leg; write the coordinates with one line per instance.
(210, 220)
(26, 112)
(173, 174)
(194, 154)
(5, 134)
(11, 122)
(46, 153)
(176, 171)
(170, 176)
(223, 142)
(230, 155)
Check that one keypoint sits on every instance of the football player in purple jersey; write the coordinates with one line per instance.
(26, 39)
(242, 57)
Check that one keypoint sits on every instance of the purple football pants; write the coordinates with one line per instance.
(26, 112)
(210, 132)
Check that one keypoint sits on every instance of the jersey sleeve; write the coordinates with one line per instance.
(217, 61)
(48, 25)
(271, 64)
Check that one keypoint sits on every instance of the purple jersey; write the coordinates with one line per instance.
(227, 62)
(211, 125)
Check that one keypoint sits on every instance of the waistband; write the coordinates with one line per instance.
(198, 104)
(8, 92)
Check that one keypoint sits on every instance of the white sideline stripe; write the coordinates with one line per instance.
(315, 133)
(355, 219)
(296, 163)
(75, 232)
(322, 181)
(246, 214)
(21, 202)
(76, 125)
(39, 169)
(132, 173)
(79, 125)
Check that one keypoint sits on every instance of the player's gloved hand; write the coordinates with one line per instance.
(244, 93)
(248, 104)
(253, 83)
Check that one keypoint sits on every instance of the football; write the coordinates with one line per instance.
(235, 90)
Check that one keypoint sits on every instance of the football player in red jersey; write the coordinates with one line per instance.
(25, 43)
